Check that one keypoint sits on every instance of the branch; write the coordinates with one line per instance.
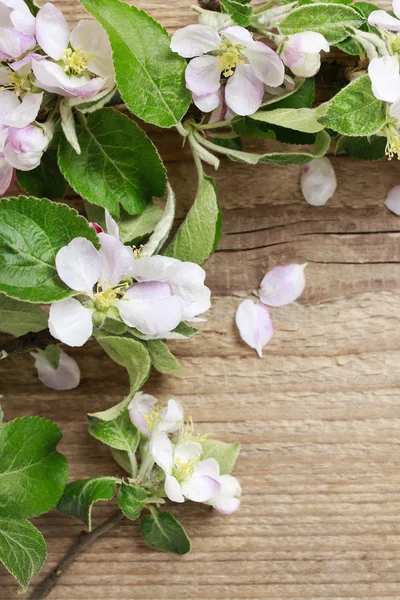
(85, 539)
(30, 341)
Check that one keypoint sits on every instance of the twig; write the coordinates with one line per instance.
(85, 539)
(30, 341)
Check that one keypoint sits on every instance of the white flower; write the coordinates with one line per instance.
(17, 113)
(24, 147)
(65, 377)
(183, 470)
(148, 418)
(318, 181)
(227, 501)
(382, 19)
(82, 59)
(232, 56)
(17, 29)
(282, 285)
(385, 78)
(301, 53)
(254, 324)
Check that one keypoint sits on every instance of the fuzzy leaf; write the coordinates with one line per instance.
(120, 433)
(79, 497)
(163, 227)
(162, 359)
(32, 231)
(131, 500)
(225, 454)
(239, 10)
(163, 532)
(133, 228)
(363, 148)
(18, 318)
(299, 119)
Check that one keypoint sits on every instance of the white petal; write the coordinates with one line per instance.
(202, 75)
(200, 489)
(52, 31)
(140, 406)
(308, 42)
(152, 268)
(5, 19)
(14, 43)
(318, 181)
(385, 78)
(209, 467)
(282, 285)
(266, 64)
(150, 308)
(25, 62)
(171, 417)
(395, 110)
(230, 486)
(111, 225)
(244, 91)
(186, 280)
(392, 201)
(52, 78)
(23, 162)
(308, 66)
(8, 104)
(162, 452)
(208, 102)
(396, 8)
(91, 37)
(186, 452)
(195, 40)
(226, 506)
(26, 139)
(254, 324)
(25, 113)
(116, 260)
(23, 20)
(237, 35)
(380, 18)
(7, 175)
(70, 322)
(78, 265)
(173, 489)
(67, 376)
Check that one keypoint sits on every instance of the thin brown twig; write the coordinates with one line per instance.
(30, 341)
(85, 539)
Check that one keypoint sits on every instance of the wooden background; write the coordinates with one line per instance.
(318, 416)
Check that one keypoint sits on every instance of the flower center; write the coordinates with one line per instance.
(182, 471)
(229, 57)
(21, 82)
(75, 61)
(104, 299)
(393, 141)
(394, 42)
(153, 418)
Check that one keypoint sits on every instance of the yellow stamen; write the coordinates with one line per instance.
(104, 299)
(21, 82)
(75, 61)
(393, 141)
(230, 57)
(152, 418)
(182, 471)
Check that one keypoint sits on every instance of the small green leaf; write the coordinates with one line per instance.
(246, 127)
(32, 231)
(351, 46)
(163, 227)
(32, 473)
(302, 96)
(118, 162)
(52, 354)
(18, 318)
(114, 326)
(355, 111)
(331, 20)
(363, 148)
(225, 454)
(79, 497)
(119, 433)
(162, 359)
(133, 228)
(199, 234)
(163, 532)
(132, 499)
(239, 10)
(300, 119)
(150, 77)
(22, 549)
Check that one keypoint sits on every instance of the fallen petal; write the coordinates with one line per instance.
(67, 376)
(254, 324)
(392, 201)
(318, 181)
(282, 285)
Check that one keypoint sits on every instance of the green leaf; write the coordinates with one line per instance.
(133, 228)
(162, 359)
(79, 497)
(118, 162)
(52, 354)
(132, 355)
(300, 119)
(351, 46)
(355, 110)
(150, 77)
(119, 433)
(32, 231)
(18, 318)
(246, 127)
(163, 227)
(365, 8)
(32, 473)
(114, 326)
(363, 148)
(22, 549)
(301, 97)
(225, 454)
(239, 10)
(163, 532)
(199, 234)
(331, 20)
(132, 499)
(182, 332)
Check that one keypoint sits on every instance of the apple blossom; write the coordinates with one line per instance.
(254, 324)
(227, 501)
(301, 53)
(17, 29)
(385, 21)
(231, 56)
(150, 420)
(318, 181)
(65, 377)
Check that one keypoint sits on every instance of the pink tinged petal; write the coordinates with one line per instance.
(23, 162)
(200, 489)
(396, 8)
(23, 20)
(27, 139)
(150, 308)
(7, 175)
(25, 113)
(308, 42)
(187, 451)
(203, 74)
(282, 285)
(52, 78)
(207, 103)
(96, 227)
(209, 467)
(238, 35)
(14, 43)
(111, 225)
(244, 91)
(52, 31)
(380, 18)
(187, 283)
(116, 260)
(91, 37)
(318, 181)
(392, 201)
(195, 40)
(141, 405)
(70, 322)
(385, 78)
(27, 60)
(225, 506)
(162, 452)
(254, 324)
(171, 417)
(78, 265)
(266, 64)
(230, 486)
(173, 489)
(67, 376)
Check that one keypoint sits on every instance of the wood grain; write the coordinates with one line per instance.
(318, 416)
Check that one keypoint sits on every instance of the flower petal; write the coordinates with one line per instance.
(186, 280)
(70, 322)
(23, 20)
(23, 162)
(308, 42)
(318, 181)
(380, 18)
(91, 37)
(26, 139)
(150, 308)
(282, 285)
(116, 260)
(392, 201)
(209, 467)
(230, 486)
(202, 75)
(52, 78)
(266, 64)
(237, 35)
(225, 506)
(52, 31)
(208, 102)
(187, 451)
(254, 324)
(111, 225)
(140, 406)
(25, 113)
(173, 489)
(195, 40)
(171, 417)
(67, 376)
(152, 268)
(385, 78)
(162, 452)
(396, 8)
(200, 489)
(244, 91)
(78, 265)
(7, 175)
(14, 43)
